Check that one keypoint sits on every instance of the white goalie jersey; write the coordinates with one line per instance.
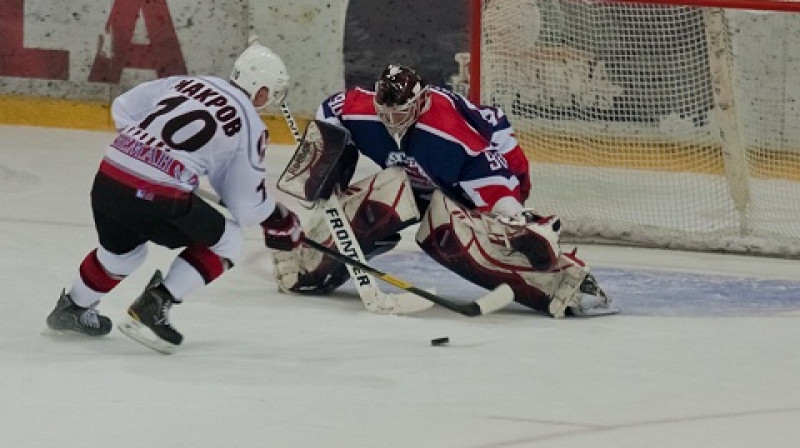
(173, 131)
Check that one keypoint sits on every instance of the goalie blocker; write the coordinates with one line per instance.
(323, 162)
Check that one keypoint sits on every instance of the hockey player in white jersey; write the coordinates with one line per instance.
(173, 131)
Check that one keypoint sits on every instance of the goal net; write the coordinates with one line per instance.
(661, 123)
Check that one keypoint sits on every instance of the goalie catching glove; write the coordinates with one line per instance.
(282, 230)
(534, 236)
(521, 251)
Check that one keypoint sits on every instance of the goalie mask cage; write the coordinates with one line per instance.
(665, 123)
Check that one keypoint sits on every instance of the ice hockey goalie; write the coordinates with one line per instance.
(482, 248)
(453, 168)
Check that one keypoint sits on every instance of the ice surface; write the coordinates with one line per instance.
(704, 355)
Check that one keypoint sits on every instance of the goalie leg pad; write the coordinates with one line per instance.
(377, 207)
(577, 292)
(571, 272)
(475, 246)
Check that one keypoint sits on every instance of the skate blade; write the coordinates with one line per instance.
(135, 330)
(69, 334)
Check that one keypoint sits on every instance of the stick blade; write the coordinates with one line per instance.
(402, 303)
(496, 299)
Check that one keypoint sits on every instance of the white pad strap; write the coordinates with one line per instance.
(567, 294)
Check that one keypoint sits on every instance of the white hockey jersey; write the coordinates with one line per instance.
(173, 131)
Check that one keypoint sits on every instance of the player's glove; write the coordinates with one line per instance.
(534, 236)
(282, 230)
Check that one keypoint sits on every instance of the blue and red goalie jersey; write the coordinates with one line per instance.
(467, 151)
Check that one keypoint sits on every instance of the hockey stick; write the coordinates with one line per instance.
(374, 299)
(290, 122)
(488, 303)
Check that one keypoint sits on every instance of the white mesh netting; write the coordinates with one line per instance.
(662, 125)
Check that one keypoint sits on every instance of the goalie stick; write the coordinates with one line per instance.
(488, 303)
(375, 300)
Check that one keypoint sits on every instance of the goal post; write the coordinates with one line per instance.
(665, 123)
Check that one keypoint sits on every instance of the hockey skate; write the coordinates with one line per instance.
(148, 321)
(67, 317)
(593, 301)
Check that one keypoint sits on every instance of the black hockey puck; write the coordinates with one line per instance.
(440, 341)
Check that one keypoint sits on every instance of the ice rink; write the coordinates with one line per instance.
(704, 354)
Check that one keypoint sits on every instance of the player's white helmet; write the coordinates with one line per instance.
(259, 67)
(401, 96)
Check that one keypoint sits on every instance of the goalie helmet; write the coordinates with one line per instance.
(401, 96)
(259, 67)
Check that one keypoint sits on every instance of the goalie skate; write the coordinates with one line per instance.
(593, 301)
